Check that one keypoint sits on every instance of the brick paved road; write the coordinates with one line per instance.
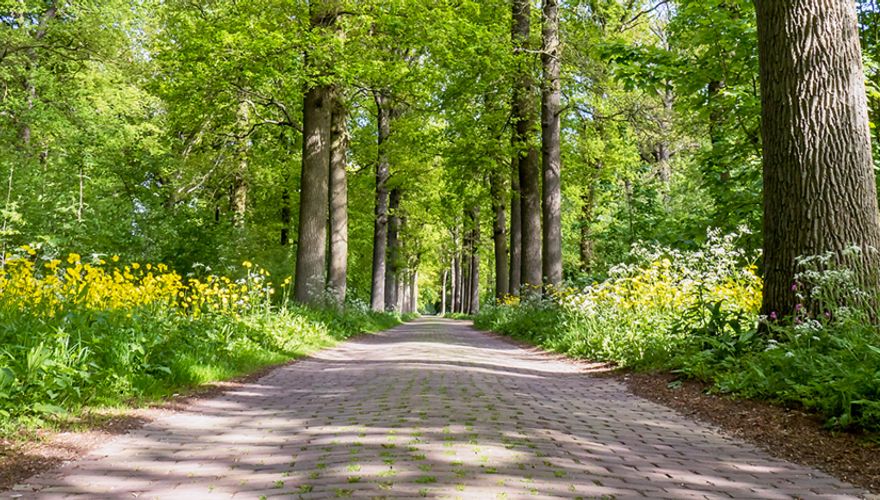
(433, 409)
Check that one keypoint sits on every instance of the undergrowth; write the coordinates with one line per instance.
(696, 314)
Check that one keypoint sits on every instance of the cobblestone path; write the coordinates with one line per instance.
(429, 409)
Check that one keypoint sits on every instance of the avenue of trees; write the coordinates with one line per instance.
(444, 154)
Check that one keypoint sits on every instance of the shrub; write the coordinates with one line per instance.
(644, 313)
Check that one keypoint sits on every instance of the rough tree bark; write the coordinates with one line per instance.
(392, 265)
(525, 117)
(311, 250)
(338, 260)
(499, 231)
(819, 186)
(380, 228)
(311, 247)
(550, 147)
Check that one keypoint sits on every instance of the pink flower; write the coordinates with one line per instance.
(773, 315)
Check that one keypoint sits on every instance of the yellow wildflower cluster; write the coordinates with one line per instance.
(50, 287)
(660, 287)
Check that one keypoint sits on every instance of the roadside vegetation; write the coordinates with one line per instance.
(95, 332)
(696, 313)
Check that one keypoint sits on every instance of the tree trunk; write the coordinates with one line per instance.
(466, 276)
(474, 288)
(455, 299)
(459, 292)
(819, 186)
(414, 292)
(499, 231)
(285, 215)
(338, 262)
(550, 147)
(443, 293)
(311, 250)
(515, 272)
(380, 228)
(525, 117)
(313, 208)
(452, 285)
(403, 291)
(392, 266)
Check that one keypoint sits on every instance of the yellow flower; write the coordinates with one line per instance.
(73, 258)
(247, 264)
(135, 265)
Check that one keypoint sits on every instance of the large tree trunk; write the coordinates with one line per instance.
(392, 266)
(311, 249)
(380, 228)
(474, 288)
(819, 186)
(525, 117)
(515, 272)
(338, 261)
(455, 299)
(550, 147)
(499, 231)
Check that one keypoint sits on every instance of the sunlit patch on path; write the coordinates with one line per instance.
(430, 409)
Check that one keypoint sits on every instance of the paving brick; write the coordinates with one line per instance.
(432, 408)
